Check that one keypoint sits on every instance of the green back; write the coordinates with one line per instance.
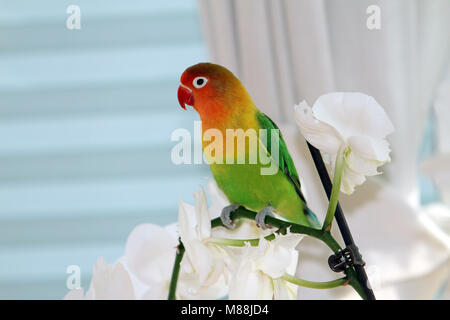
(285, 163)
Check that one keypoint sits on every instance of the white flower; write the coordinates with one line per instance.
(352, 122)
(203, 261)
(258, 273)
(145, 271)
(109, 282)
(149, 255)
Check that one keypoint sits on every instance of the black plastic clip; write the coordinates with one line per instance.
(345, 259)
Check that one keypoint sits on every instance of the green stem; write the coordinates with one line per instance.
(234, 242)
(324, 236)
(239, 242)
(338, 168)
(282, 226)
(314, 284)
(176, 271)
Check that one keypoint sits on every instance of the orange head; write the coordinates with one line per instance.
(212, 90)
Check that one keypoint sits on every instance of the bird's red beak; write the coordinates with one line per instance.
(185, 96)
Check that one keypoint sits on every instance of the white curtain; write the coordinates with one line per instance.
(287, 51)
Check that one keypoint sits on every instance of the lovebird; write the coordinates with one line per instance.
(223, 103)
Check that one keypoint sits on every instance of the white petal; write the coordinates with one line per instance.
(276, 261)
(189, 287)
(350, 179)
(150, 253)
(284, 290)
(172, 229)
(382, 149)
(370, 148)
(158, 291)
(202, 215)
(361, 165)
(319, 134)
(200, 257)
(292, 267)
(216, 291)
(265, 287)
(186, 222)
(121, 286)
(75, 294)
(111, 282)
(289, 240)
(217, 197)
(278, 258)
(90, 293)
(247, 284)
(353, 114)
(218, 257)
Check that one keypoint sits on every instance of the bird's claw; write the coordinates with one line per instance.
(261, 216)
(225, 216)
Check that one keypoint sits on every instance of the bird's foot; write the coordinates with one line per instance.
(225, 215)
(261, 216)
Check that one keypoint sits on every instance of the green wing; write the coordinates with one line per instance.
(285, 163)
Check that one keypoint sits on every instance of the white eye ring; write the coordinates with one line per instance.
(199, 82)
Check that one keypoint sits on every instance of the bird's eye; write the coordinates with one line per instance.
(199, 82)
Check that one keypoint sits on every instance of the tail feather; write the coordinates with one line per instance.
(312, 218)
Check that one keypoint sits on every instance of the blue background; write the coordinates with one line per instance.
(85, 123)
